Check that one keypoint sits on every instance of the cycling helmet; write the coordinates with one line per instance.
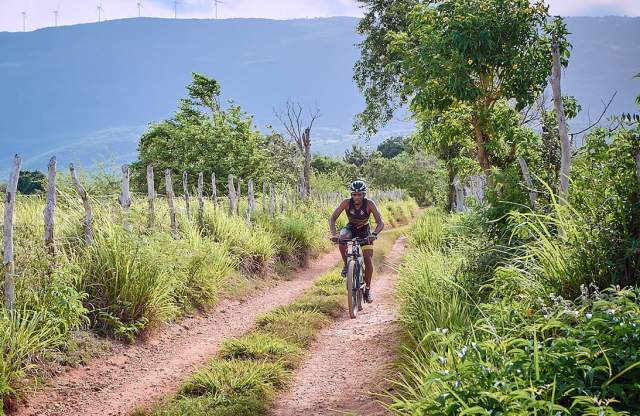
(358, 186)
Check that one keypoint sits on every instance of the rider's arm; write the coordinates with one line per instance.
(377, 216)
(335, 215)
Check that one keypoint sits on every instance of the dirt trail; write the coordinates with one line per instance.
(328, 382)
(150, 370)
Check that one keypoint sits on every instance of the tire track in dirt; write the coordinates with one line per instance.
(351, 358)
(150, 370)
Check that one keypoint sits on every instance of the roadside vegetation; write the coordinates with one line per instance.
(250, 370)
(523, 300)
(127, 283)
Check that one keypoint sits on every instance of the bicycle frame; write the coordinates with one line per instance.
(355, 281)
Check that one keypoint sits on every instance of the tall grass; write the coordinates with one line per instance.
(129, 281)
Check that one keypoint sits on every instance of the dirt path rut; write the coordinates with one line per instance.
(328, 382)
(150, 370)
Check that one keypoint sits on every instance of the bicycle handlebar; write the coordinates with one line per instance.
(351, 240)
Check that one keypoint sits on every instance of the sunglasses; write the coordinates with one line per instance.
(356, 193)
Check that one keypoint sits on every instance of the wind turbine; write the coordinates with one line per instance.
(175, 9)
(55, 17)
(24, 20)
(215, 4)
(100, 10)
(140, 7)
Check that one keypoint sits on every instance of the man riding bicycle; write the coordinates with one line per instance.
(358, 209)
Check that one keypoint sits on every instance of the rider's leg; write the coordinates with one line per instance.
(345, 233)
(368, 266)
(343, 252)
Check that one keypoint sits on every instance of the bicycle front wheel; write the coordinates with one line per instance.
(352, 289)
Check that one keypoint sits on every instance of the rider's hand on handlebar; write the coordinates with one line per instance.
(372, 238)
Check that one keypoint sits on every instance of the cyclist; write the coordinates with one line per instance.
(358, 209)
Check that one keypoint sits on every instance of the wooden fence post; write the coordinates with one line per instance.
(250, 200)
(50, 209)
(232, 194)
(533, 196)
(460, 207)
(151, 196)
(285, 196)
(125, 197)
(9, 265)
(238, 196)
(185, 190)
(214, 189)
(88, 216)
(272, 201)
(264, 197)
(172, 208)
(201, 200)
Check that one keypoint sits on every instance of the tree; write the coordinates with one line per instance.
(392, 147)
(299, 131)
(31, 182)
(477, 53)
(376, 73)
(421, 175)
(357, 156)
(222, 142)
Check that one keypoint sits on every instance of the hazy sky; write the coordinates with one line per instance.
(39, 13)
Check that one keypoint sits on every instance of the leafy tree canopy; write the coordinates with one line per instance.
(392, 147)
(227, 142)
(31, 182)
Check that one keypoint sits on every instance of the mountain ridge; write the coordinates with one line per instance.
(86, 92)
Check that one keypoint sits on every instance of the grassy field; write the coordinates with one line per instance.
(128, 282)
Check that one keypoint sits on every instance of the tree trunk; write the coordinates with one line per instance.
(125, 197)
(50, 208)
(172, 208)
(88, 216)
(533, 196)
(306, 172)
(151, 196)
(9, 204)
(483, 158)
(565, 145)
(201, 200)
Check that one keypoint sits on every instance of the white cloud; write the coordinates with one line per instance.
(594, 7)
(39, 12)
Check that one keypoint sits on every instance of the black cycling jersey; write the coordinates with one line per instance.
(358, 217)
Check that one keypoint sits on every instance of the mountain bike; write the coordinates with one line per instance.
(355, 274)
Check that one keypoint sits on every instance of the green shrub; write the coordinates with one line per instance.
(568, 358)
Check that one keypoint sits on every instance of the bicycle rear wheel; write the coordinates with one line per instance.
(352, 289)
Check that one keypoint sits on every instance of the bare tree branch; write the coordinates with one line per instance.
(604, 111)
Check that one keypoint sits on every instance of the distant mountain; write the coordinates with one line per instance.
(87, 92)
